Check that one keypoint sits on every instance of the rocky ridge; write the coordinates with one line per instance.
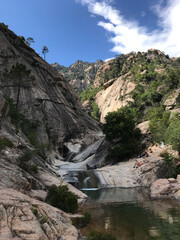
(140, 78)
(80, 74)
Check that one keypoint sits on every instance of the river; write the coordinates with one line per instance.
(129, 214)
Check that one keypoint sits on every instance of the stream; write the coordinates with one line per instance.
(128, 214)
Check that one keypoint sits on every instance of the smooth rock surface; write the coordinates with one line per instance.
(22, 217)
(109, 99)
(128, 174)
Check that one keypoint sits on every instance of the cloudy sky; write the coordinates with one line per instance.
(95, 29)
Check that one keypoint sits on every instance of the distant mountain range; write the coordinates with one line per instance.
(80, 74)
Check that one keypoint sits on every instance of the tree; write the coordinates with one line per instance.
(18, 77)
(45, 51)
(172, 135)
(29, 40)
(121, 131)
(119, 125)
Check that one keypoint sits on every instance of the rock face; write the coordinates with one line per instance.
(80, 74)
(22, 217)
(62, 128)
(166, 188)
(115, 96)
(50, 101)
(133, 173)
(172, 100)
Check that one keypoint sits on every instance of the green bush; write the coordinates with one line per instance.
(159, 122)
(120, 130)
(43, 220)
(82, 221)
(62, 198)
(172, 163)
(172, 134)
(119, 125)
(25, 164)
(101, 236)
(89, 93)
(4, 142)
(95, 113)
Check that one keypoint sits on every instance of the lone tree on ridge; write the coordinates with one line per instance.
(45, 51)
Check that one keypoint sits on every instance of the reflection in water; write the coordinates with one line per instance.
(129, 214)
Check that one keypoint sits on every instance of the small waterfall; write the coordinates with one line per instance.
(84, 180)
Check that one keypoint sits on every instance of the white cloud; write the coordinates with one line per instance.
(129, 36)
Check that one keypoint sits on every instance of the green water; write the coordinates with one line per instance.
(129, 214)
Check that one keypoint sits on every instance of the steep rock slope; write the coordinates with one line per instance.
(25, 176)
(50, 103)
(146, 79)
(40, 119)
(80, 74)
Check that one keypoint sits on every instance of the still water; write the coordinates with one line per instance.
(129, 214)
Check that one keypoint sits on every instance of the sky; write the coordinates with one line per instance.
(89, 30)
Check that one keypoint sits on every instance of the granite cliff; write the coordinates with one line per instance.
(41, 119)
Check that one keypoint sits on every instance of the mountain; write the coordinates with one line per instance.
(49, 102)
(41, 122)
(147, 79)
(80, 74)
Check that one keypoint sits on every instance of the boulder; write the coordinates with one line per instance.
(177, 195)
(172, 99)
(160, 189)
(172, 180)
(144, 127)
(178, 178)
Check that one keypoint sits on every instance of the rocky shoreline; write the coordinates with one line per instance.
(166, 189)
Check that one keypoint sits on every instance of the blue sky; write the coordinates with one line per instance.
(94, 29)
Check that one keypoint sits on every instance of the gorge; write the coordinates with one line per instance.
(47, 137)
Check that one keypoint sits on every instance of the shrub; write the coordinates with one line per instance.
(172, 135)
(43, 219)
(158, 124)
(89, 93)
(62, 198)
(4, 142)
(171, 162)
(24, 162)
(82, 221)
(95, 112)
(100, 236)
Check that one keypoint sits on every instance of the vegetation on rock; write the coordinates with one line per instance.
(4, 142)
(100, 236)
(25, 164)
(121, 131)
(18, 77)
(81, 222)
(62, 198)
(89, 94)
(172, 163)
